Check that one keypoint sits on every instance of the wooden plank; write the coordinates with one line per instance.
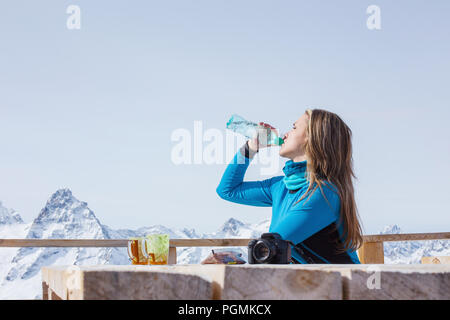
(44, 291)
(209, 242)
(63, 242)
(172, 255)
(125, 282)
(280, 282)
(394, 282)
(407, 237)
(150, 284)
(371, 252)
(354, 282)
(63, 282)
(52, 295)
(198, 282)
(197, 242)
(435, 260)
(118, 242)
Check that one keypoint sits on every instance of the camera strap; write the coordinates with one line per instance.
(301, 253)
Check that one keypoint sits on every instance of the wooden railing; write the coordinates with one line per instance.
(98, 243)
(371, 252)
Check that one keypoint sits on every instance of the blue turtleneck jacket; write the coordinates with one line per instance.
(308, 224)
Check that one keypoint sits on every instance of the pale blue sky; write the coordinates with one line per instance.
(93, 109)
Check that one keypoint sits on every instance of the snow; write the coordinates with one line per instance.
(9, 216)
(66, 217)
(411, 252)
(8, 231)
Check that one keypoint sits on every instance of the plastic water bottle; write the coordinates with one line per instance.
(250, 130)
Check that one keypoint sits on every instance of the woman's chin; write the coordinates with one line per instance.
(283, 153)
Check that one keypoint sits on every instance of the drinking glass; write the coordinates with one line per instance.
(157, 248)
(137, 252)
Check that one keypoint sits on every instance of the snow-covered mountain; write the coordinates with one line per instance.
(232, 228)
(9, 216)
(66, 217)
(11, 226)
(411, 252)
(62, 217)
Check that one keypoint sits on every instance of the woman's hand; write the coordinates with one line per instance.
(255, 143)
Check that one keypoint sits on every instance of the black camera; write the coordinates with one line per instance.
(269, 249)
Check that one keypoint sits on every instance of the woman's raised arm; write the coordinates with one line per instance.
(233, 188)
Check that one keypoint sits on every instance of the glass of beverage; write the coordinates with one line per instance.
(137, 252)
(157, 248)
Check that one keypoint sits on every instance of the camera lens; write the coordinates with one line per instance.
(263, 251)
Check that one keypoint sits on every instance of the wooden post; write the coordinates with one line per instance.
(371, 253)
(172, 255)
(52, 295)
(44, 291)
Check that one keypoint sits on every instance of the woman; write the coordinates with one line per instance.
(313, 204)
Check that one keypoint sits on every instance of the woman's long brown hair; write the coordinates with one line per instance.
(328, 151)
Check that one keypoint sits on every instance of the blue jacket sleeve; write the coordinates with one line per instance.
(234, 189)
(309, 216)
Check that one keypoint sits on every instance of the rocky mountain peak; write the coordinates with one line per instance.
(9, 216)
(232, 226)
(64, 216)
(391, 229)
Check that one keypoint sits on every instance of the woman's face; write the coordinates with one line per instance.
(295, 139)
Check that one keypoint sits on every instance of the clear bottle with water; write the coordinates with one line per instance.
(250, 130)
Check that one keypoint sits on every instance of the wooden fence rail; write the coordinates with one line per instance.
(370, 252)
